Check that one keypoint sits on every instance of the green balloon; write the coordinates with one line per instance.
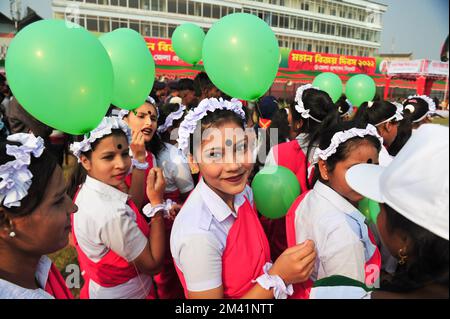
(61, 74)
(187, 42)
(370, 209)
(133, 65)
(275, 188)
(241, 56)
(359, 89)
(330, 83)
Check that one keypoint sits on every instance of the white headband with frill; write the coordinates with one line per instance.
(15, 175)
(300, 107)
(342, 137)
(104, 128)
(189, 124)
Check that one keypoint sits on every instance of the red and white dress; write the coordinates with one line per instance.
(109, 234)
(213, 246)
(344, 244)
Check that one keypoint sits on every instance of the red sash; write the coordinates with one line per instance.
(56, 286)
(302, 290)
(246, 252)
(112, 269)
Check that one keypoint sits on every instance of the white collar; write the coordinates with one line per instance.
(105, 189)
(10, 290)
(337, 200)
(216, 206)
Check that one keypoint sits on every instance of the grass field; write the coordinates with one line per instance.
(68, 255)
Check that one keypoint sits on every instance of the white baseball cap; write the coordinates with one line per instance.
(416, 182)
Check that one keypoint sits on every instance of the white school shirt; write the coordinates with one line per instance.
(105, 222)
(176, 169)
(384, 158)
(339, 232)
(8, 290)
(199, 236)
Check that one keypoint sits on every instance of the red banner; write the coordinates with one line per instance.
(322, 62)
(163, 53)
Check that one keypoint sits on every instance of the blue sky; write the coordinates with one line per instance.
(417, 26)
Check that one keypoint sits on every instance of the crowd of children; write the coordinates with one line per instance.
(160, 207)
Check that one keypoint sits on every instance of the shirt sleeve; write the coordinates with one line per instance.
(270, 159)
(200, 260)
(342, 252)
(182, 175)
(123, 236)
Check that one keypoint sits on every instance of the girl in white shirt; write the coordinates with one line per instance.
(34, 220)
(328, 215)
(176, 173)
(176, 169)
(217, 242)
(117, 250)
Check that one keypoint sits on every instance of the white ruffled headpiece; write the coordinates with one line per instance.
(170, 118)
(189, 124)
(15, 175)
(342, 137)
(430, 102)
(104, 128)
(398, 115)
(149, 99)
(300, 107)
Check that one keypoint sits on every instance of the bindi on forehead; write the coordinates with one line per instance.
(119, 146)
(228, 142)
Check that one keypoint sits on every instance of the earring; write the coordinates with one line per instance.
(12, 234)
(402, 256)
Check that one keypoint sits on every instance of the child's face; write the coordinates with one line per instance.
(388, 132)
(110, 161)
(144, 119)
(364, 152)
(393, 241)
(224, 158)
(47, 228)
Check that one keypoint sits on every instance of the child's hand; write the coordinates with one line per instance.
(296, 263)
(138, 146)
(156, 184)
(174, 210)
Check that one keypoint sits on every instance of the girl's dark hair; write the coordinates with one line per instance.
(78, 176)
(322, 108)
(320, 105)
(202, 83)
(164, 111)
(417, 107)
(428, 257)
(342, 106)
(404, 132)
(280, 122)
(214, 120)
(377, 113)
(344, 149)
(42, 169)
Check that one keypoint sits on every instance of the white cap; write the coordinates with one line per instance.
(176, 100)
(415, 184)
